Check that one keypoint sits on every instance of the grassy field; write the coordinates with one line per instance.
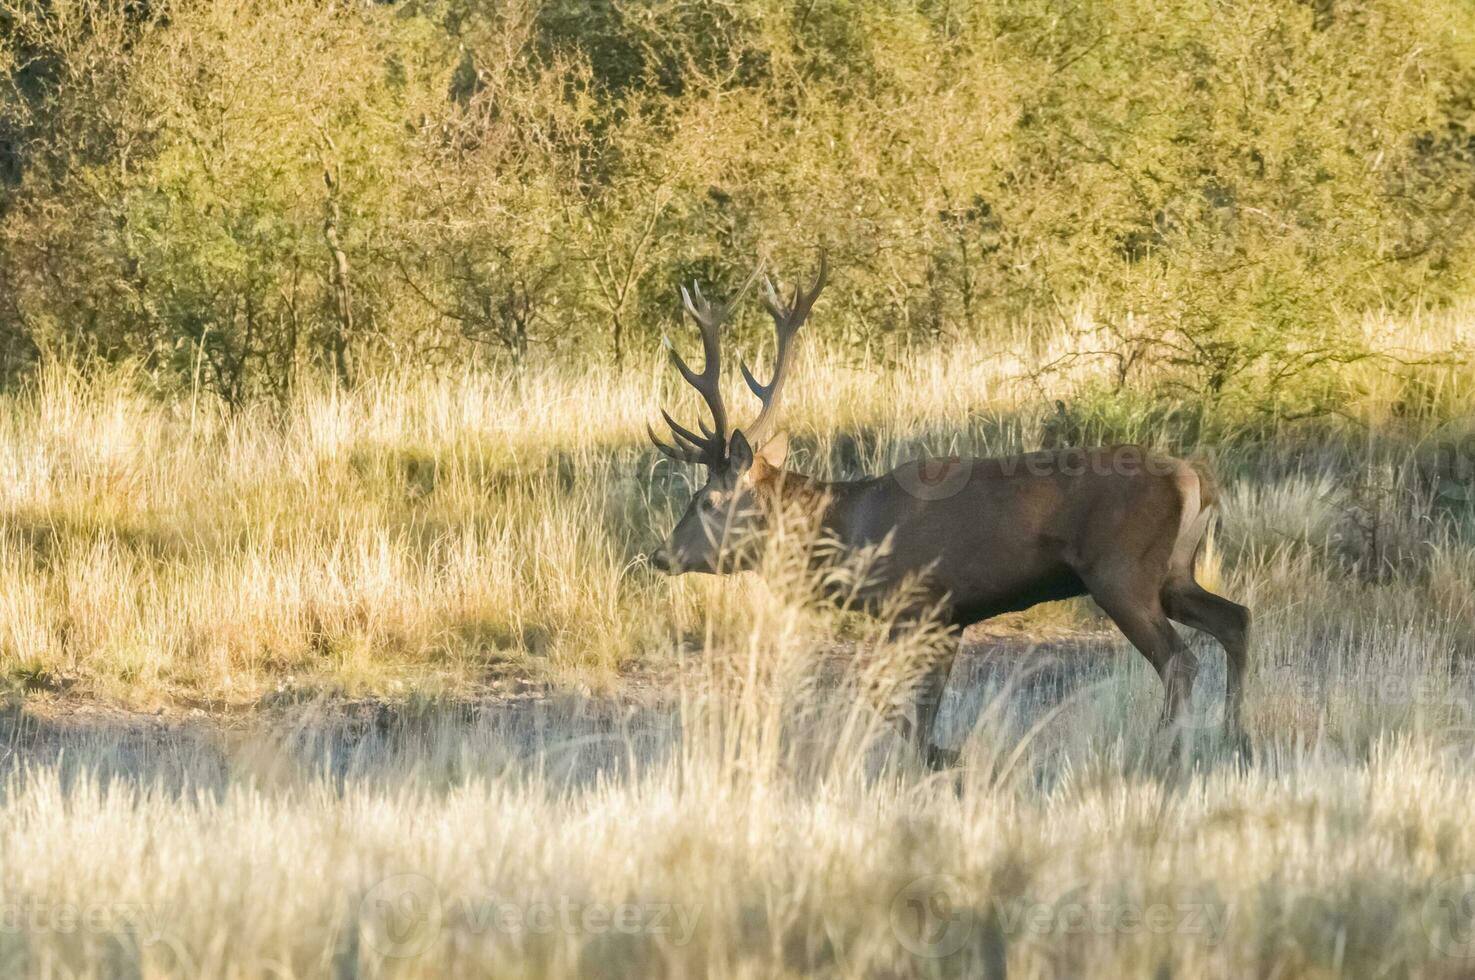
(377, 683)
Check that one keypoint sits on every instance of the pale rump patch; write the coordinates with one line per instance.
(1193, 521)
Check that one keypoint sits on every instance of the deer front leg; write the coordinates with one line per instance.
(918, 728)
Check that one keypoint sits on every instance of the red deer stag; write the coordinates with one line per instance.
(1120, 523)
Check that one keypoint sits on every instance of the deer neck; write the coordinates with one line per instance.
(801, 496)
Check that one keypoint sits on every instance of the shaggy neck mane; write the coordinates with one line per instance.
(786, 489)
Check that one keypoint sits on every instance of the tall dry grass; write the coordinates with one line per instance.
(425, 534)
(763, 825)
(363, 568)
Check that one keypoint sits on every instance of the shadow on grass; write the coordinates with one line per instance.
(1021, 710)
(430, 745)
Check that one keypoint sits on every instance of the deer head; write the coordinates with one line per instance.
(724, 525)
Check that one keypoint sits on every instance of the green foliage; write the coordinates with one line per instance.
(1220, 187)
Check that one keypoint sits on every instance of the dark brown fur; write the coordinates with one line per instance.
(1120, 524)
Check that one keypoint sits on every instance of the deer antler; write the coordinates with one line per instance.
(787, 319)
(710, 446)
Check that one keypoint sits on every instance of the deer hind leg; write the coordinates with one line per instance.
(1139, 614)
(1227, 622)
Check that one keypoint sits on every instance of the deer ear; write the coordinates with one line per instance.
(775, 451)
(739, 453)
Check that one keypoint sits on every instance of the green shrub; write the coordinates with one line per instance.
(230, 193)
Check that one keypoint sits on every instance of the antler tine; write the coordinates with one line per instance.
(681, 455)
(787, 319)
(685, 438)
(708, 381)
(710, 447)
